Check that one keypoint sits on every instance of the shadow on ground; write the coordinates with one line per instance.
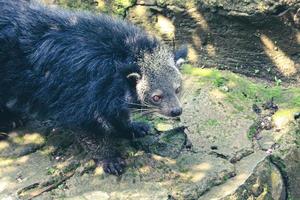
(222, 149)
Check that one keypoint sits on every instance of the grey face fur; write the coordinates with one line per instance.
(160, 82)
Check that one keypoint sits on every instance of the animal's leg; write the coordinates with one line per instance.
(140, 129)
(9, 120)
(130, 129)
(103, 150)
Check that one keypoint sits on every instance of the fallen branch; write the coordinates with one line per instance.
(50, 185)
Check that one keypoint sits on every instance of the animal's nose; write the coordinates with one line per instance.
(176, 112)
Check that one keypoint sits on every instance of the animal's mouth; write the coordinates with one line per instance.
(163, 116)
(169, 114)
(162, 111)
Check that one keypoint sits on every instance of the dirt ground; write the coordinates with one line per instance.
(238, 137)
(226, 151)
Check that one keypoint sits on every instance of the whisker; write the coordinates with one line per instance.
(149, 112)
(140, 110)
(142, 105)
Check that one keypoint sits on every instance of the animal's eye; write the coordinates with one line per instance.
(177, 90)
(156, 98)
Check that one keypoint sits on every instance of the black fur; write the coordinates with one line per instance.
(69, 66)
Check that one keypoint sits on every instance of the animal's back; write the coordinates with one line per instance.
(65, 60)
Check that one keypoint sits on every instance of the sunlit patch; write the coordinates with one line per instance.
(4, 184)
(140, 11)
(202, 167)
(232, 84)
(201, 21)
(145, 169)
(197, 16)
(5, 171)
(62, 165)
(284, 64)
(275, 178)
(165, 26)
(163, 126)
(298, 37)
(23, 159)
(3, 145)
(283, 117)
(211, 51)
(238, 179)
(101, 4)
(262, 6)
(29, 138)
(192, 54)
(196, 176)
(48, 150)
(197, 172)
(98, 171)
(217, 94)
(197, 40)
(6, 161)
(168, 161)
(205, 72)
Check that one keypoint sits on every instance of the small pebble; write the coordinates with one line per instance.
(213, 147)
(269, 151)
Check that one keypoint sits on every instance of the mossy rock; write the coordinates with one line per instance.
(167, 144)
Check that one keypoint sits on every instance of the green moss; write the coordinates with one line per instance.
(90, 5)
(220, 81)
(51, 170)
(252, 131)
(71, 167)
(226, 177)
(115, 7)
(140, 117)
(212, 122)
(201, 72)
(119, 6)
(242, 93)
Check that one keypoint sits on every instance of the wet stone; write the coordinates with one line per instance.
(168, 144)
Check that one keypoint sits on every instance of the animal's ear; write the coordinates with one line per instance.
(180, 55)
(133, 78)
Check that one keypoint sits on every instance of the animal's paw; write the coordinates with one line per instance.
(9, 120)
(3, 136)
(140, 129)
(114, 166)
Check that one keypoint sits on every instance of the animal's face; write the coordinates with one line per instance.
(160, 93)
(159, 86)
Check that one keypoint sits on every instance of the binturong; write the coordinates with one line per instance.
(84, 69)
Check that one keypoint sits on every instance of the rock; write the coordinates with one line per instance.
(146, 2)
(168, 144)
(287, 159)
(208, 156)
(163, 127)
(266, 182)
(266, 140)
(91, 196)
(292, 169)
(265, 33)
(262, 180)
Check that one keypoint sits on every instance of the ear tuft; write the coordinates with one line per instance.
(133, 77)
(180, 55)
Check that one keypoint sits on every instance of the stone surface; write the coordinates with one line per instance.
(257, 38)
(253, 37)
(168, 144)
(212, 158)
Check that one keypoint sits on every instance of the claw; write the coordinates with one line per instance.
(114, 166)
(140, 129)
